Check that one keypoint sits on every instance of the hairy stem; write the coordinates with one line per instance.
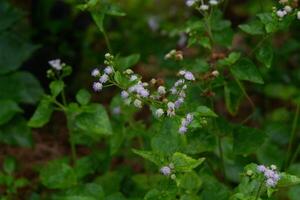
(292, 137)
(259, 190)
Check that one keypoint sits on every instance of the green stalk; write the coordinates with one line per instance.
(292, 137)
(245, 93)
(221, 156)
(259, 190)
(107, 41)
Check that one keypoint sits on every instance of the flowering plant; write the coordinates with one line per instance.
(200, 127)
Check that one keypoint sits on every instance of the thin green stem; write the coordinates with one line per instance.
(63, 97)
(259, 190)
(294, 157)
(292, 137)
(107, 41)
(72, 143)
(245, 93)
(221, 156)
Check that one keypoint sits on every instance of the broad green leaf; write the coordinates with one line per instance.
(57, 174)
(9, 165)
(265, 54)
(123, 63)
(23, 87)
(148, 155)
(121, 79)
(13, 52)
(213, 189)
(42, 114)
(94, 121)
(255, 27)
(166, 140)
(200, 141)
(77, 197)
(87, 165)
(287, 180)
(184, 163)
(86, 191)
(83, 97)
(245, 70)
(16, 132)
(21, 182)
(9, 15)
(56, 87)
(269, 154)
(247, 140)
(8, 110)
(189, 181)
(204, 111)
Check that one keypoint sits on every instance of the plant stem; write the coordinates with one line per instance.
(221, 156)
(292, 137)
(107, 41)
(259, 190)
(73, 147)
(245, 93)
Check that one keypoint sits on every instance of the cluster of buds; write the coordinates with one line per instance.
(200, 5)
(174, 54)
(271, 175)
(168, 171)
(104, 77)
(58, 68)
(185, 122)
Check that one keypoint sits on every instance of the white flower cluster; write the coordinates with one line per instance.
(285, 10)
(271, 175)
(56, 64)
(98, 85)
(201, 5)
(185, 122)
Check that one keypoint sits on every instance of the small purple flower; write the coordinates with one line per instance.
(179, 82)
(179, 102)
(144, 93)
(161, 90)
(261, 168)
(103, 78)
(97, 86)
(95, 72)
(124, 94)
(190, 3)
(108, 70)
(159, 112)
(189, 76)
(173, 90)
(189, 118)
(270, 183)
(133, 78)
(166, 170)
(182, 130)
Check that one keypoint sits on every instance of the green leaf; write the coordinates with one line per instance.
(94, 121)
(247, 140)
(16, 132)
(8, 110)
(189, 181)
(22, 87)
(245, 70)
(21, 182)
(83, 97)
(86, 191)
(287, 180)
(98, 17)
(58, 174)
(255, 27)
(233, 97)
(13, 51)
(9, 165)
(148, 155)
(42, 114)
(280, 91)
(56, 87)
(184, 163)
(123, 63)
(204, 111)
(265, 54)
(230, 60)
(121, 79)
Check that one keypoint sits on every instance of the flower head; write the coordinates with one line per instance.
(281, 13)
(166, 170)
(159, 112)
(161, 90)
(190, 3)
(133, 77)
(103, 78)
(189, 76)
(95, 72)
(137, 103)
(56, 64)
(97, 86)
(124, 94)
(108, 70)
(204, 7)
(213, 2)
(298, 15)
